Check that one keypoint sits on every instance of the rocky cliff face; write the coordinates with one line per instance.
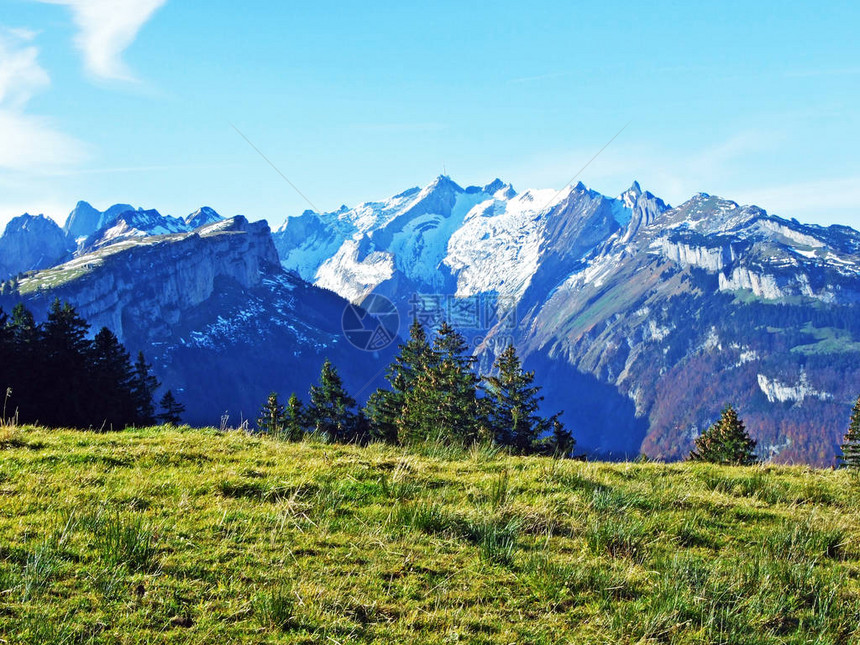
(84, 220)
(180, 272)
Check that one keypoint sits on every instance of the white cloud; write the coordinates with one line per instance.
(29, 142)
(105, 30)
(20, 73)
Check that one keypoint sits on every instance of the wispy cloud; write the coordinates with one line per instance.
(29, 141)
(20, 72)
(106, 28)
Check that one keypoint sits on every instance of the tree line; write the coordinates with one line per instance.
(53, 374)
(433, 394)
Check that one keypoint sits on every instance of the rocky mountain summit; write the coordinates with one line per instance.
(643, 319)
(33, 242)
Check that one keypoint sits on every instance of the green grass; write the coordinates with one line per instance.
(198, 536)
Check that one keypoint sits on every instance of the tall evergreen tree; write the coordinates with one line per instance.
(65, 350)
(144, 385)
(851, 445)
(726, 442)
(113, 401)
(330, 410)
(23, 365)
(442, 403)
(7, 350)
(514, 414)
(271, 419)
(386, 408)
(24, 328)
(171, 409)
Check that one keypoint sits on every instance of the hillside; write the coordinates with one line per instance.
(200, 536)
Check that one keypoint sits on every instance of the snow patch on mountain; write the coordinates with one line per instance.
(498, 247)
(351, 277)
(788, 235)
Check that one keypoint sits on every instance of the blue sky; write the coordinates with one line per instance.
(134, 101)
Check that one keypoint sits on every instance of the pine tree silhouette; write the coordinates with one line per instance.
(171, 409)
(443, 401)
(65, 351)
(514, 416)
(144, 385)
(295, 419)
(271, 419)
(113, 404)
(385, 409)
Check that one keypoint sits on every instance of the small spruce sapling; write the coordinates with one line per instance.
(271, 417)
(295, 421)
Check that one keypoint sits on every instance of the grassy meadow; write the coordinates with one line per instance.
(179, 535)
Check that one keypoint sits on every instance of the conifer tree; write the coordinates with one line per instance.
(113, 402)
(144, 385)
(561, 443)
(330, 410)
(171, 409)
(515, 399)
(726, 442)
(442, 402)
(386, 408)
(6, 353)
(383, 414)
(271, 419)
(25, 365)
(65, 349)
(851, 445)
(295, 419)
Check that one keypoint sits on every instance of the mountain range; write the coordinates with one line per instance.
(641, 320)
